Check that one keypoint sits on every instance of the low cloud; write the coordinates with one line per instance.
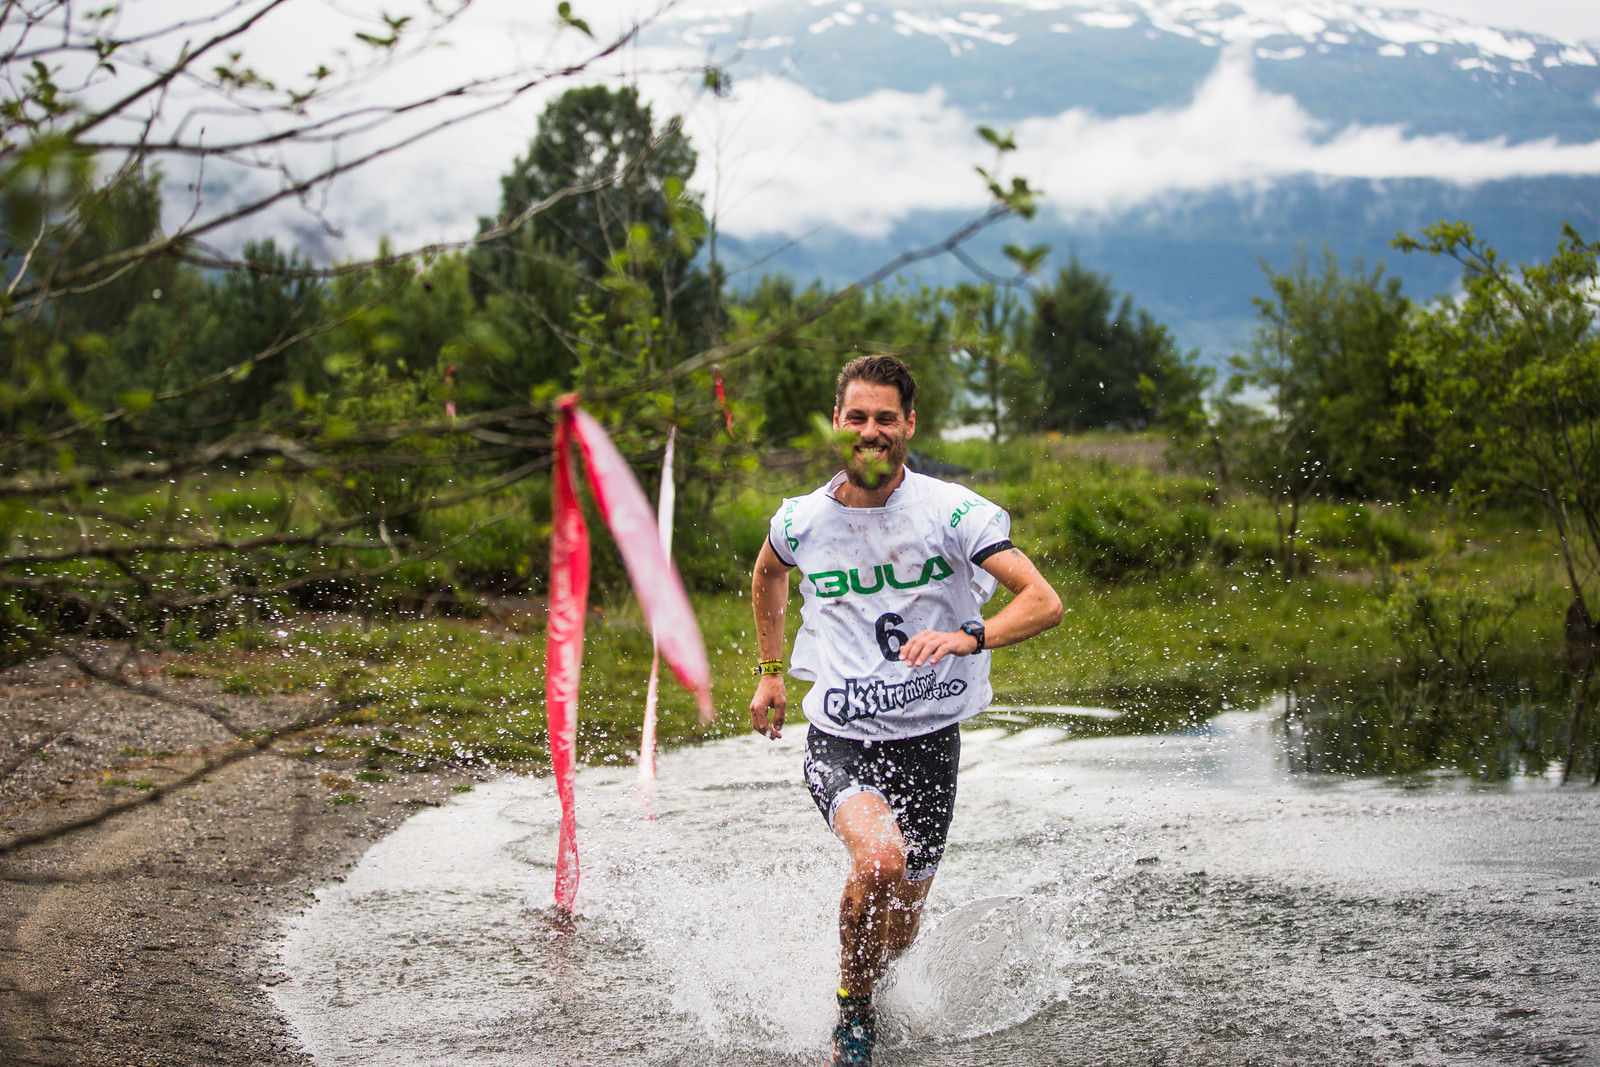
(1235, 132)
(864, 164)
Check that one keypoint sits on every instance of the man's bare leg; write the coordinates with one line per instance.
(880, 911)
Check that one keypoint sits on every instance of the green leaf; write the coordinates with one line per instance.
(1005, 142)
(1020, 198)
(1026, 259)
(136, 400)
(564, 13)
(718, 81)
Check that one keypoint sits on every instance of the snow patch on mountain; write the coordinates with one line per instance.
(1215, 23)
(967, 24)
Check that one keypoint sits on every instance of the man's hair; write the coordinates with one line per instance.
(878, 370)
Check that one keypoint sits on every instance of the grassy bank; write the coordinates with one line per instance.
(1175, 607)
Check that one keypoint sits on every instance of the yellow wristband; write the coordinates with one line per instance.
(770, 666)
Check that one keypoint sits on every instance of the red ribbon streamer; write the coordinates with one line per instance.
(655, 581)
(722, 398)
(569, 598)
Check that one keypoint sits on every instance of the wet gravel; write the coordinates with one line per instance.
(135, 941)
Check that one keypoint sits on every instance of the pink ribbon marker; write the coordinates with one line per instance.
(722, 398)
(655, 581)
(563, 664)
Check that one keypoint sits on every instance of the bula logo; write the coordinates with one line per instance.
(838, 583)
(966, 506)
(788, 524)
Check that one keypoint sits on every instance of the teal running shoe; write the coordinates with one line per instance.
(854, 1035)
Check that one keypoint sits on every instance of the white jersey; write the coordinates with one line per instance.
(871, 578)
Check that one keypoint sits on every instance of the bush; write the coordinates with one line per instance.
(1246, 537)
(1450, 627)
(1114, 534)
(499, 558)
(718, 556)
(249, 505)
(1356, 529)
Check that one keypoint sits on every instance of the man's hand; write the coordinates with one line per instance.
(767, 706)
(769, 589)
(931, 646)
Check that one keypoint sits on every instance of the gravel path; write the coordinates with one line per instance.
(132, 940)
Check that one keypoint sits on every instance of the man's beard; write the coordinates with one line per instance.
(869, 470)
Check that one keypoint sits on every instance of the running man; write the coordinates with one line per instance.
(894, 569)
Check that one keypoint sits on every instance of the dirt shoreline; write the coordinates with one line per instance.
(137, 940)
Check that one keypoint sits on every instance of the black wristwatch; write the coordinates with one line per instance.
(974, 629)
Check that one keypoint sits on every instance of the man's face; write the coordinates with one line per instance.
(872, 414)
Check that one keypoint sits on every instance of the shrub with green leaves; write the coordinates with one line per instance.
(1118, 533)
(1366, 533)
(1450, 626)
(250, 504)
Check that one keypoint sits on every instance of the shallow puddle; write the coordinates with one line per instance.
(1183, 899)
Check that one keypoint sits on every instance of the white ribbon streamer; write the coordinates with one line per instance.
(666, 502)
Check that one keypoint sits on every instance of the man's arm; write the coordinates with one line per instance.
(769, 596)
(1034, 609)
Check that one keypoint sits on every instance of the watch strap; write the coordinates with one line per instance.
(974, 629)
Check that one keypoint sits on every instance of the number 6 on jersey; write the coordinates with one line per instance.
(890, 639)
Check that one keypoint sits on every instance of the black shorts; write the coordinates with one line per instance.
(915, 776)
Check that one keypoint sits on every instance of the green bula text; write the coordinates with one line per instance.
(838, 583)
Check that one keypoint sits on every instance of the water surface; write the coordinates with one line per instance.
(1187, 898)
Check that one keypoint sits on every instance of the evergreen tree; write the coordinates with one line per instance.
(1104, 362)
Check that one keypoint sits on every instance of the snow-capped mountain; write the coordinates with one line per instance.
(1344, 63)
(1178, 140)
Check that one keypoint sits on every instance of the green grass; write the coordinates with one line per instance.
(471, 692)
(1170, 636)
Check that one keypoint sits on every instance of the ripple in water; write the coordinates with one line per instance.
(1181, 898)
